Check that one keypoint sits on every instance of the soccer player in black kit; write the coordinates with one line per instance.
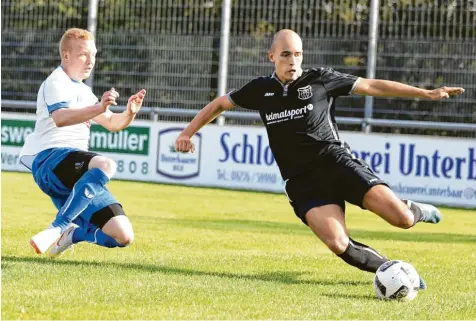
(297, 108)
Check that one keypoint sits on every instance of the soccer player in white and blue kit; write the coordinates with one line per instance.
(57, 153)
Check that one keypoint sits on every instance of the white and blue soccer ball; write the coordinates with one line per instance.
(396, 280)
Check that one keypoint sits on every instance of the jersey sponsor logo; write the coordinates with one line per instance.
(173, 164)
(305, 92)
(268, 94)
(287, 114)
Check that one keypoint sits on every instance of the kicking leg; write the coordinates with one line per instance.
(404, 214)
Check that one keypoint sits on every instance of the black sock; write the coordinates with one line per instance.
(362, 256)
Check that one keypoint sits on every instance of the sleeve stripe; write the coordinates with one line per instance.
(231, 99)
(61, 104)
(354, 85)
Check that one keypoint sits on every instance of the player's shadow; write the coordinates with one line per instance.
(285, 277)
(299, 229)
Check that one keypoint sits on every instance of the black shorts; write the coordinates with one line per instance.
(72, 167)
(338, 177)
(70, 170)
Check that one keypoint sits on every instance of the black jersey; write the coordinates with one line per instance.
(299, 116)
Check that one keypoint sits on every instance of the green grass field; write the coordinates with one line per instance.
(216, 254)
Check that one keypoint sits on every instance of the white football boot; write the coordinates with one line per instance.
(42, 241)
(64, 242)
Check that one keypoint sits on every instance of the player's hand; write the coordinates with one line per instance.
(184, 144)
(445, 92)
(109, 98)
(135, 101)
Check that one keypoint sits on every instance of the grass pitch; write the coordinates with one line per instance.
(216, 254)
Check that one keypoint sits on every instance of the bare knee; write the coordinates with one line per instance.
(338, 245)
(120, 229)
(404, 219)
(328, 223)
(124, 238)
(107, 165)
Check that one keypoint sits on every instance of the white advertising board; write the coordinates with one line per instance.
(431, 169)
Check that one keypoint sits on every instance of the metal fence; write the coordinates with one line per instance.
(171, 48)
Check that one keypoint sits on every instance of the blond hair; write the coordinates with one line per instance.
(73, 34)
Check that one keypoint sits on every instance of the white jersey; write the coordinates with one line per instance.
(58, 91)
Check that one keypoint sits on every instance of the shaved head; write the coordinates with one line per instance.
(286, 55)
(285, 36)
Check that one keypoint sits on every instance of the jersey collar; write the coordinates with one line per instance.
(289, 83)
(75, 81)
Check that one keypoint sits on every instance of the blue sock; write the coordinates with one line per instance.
(85, 189)
(95, 236)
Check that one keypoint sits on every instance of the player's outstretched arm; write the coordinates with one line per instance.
(72, 116)
(116, 122)
(387, 88)
(206, 115)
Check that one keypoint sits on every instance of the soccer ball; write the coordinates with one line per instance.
(396, 280)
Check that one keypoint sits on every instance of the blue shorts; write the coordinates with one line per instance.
(43, 168)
